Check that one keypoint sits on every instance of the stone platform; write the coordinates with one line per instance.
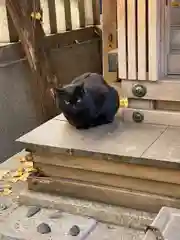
(131, 165)
(137, 143)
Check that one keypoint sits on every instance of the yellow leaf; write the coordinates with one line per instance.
(24, 177)
(124, 102)
(6, 192)
(36, 15)
(31, 169)
(17, 174)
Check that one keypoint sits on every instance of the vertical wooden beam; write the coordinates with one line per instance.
(89, 19)
(131, 34)
(31, 36)
(46, 16)
(13, 35)
(75, 14)
(166, 25)
(68, 18)
(142, 40)
(154, 39)
(122, 47)
(96, 11)
(52, 16)
(109, 35)
(60, 16)
(81, 7)
(163, 28)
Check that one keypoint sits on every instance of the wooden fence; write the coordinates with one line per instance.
(139, 39)
(58, 16)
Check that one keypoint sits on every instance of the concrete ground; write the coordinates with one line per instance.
(53, 224)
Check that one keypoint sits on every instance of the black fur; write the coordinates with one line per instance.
(88, 101)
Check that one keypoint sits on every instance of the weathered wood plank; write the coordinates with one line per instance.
(31, 39)
(79, 58)
(131, 36)
(89, 19)
(122, 49)
(109, 36)
(142, 40)
(68, 38)
(60, 16)
(154, 39)
(81, 6)
(4, 33)
(143, 185)
(140, 103)
(68, 18)
(163, 38)
(167, 90)
(52, 16)
(96, 11)
(13, 35)
(46, 17)
(171, 118)
(75, 14)
(168, 105)
(100, 193)
(56, 40)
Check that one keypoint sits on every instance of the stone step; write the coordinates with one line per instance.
(104, 232)
(58, 225)
(128, 198)
(162, 182)
(127, 217)
(131, 165)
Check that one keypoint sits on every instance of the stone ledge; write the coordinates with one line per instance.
(101, 212)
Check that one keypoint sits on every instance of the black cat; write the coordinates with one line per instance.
(88, 101)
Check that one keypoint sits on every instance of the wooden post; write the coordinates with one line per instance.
(109, 35)
(131, 35)
(31, 36)
(154, 39)
(121, 31)
(142, 40)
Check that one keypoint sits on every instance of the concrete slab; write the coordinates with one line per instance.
(118, 138)
(167, 146)
(18, 226)
(109, 232)
(99, 211)
(6, 201)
